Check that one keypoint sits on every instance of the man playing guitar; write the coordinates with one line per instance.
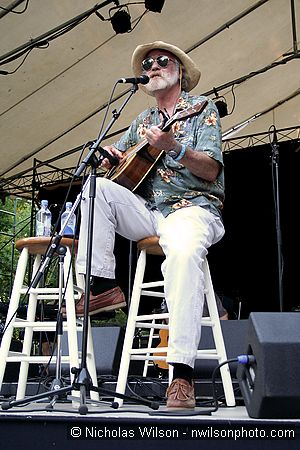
(178, 198)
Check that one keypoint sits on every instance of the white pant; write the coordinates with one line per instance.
(185, 236)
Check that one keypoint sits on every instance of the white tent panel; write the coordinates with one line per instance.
(46, 104)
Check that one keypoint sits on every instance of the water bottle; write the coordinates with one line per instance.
(43, 220)
(70, 227)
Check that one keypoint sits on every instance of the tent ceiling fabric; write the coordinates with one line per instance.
(55, 100)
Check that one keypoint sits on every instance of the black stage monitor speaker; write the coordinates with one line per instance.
(271, 385)
(108, 344)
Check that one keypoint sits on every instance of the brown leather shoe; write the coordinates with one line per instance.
(107, 301)
(180, 394)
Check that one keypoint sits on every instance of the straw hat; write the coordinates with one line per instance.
(192, 73)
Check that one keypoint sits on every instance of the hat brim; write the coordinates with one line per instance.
(192, 72)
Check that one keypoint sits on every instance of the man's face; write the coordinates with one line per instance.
(161, 77)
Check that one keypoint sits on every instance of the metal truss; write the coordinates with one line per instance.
(265, 138)
(43, 174)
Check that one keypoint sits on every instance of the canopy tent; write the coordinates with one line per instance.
(54, 101)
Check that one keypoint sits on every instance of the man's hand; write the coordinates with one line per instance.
(114, 152)
(160, 139)
(198, 163)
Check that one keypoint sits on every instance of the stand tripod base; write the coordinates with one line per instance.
(54, 394)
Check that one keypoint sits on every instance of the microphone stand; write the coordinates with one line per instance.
(83, 381)
(275, 165)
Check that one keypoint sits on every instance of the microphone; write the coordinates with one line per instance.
(143, 79)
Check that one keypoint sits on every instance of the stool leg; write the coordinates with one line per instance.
(130, 328)
(71, 317)
(91, 365)
(218, 336)
(28, 334)
(11, 313)
(72, 337)
(71, 313)
(150, 339)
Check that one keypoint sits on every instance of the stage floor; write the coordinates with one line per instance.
(36, 426)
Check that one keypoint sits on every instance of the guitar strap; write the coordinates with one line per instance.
(166, 117)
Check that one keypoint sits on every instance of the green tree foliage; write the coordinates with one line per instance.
(15, 216)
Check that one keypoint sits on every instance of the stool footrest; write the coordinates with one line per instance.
(39, 359)
(158, 326)
(206, 321)
(151, 284)
(144, 351)
(40, 290)
(203, 354)
(163, 316)
(152, 294)
(41, 326)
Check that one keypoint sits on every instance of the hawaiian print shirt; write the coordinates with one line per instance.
(170, 186)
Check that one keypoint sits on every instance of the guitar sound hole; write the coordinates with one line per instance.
(147, 156)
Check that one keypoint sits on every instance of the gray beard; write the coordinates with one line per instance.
(161, 82)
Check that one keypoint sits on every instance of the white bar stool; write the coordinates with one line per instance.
(37, 246)
(151, 246)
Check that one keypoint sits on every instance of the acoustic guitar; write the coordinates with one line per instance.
(139, 160)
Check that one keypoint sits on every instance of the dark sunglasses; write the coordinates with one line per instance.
(162, 61)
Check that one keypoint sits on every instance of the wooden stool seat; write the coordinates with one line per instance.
(159, 321)
(151, 245)
(39, 245)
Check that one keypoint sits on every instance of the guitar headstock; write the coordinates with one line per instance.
(186, 113)
(190, 111)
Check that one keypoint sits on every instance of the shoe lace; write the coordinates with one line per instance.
(179, 389)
